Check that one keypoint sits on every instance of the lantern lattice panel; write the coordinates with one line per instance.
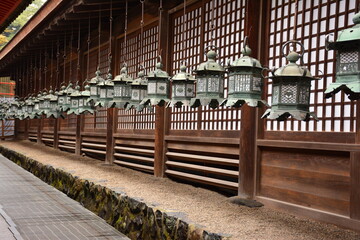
(228, 35)
(132, 119)
(316, 19)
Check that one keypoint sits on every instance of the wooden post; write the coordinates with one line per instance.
(3, 130)
(160, 116)
(79, 129)
(355, 172)
(26, 130)
(109, 159)
(56, 133)
(249, 122)
(39, 127)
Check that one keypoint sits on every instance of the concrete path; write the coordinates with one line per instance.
(31, 209)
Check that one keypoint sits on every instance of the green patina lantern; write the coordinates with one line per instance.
(122, 89)
(183, 88)
(3, 110)
(79, 103)
(245, 81)
(30, 108)
(291, 89)
(21, 110)
(13, 110)
(94, 88)
(106, 91)
(37, 105)
(53, 110)
(209, 82)
(63, 95)
(138, 91)
(44, 103)
(347, 46)
(158, 86)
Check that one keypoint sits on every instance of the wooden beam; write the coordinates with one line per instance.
(56, 133)
(79, 129)
(110, 128)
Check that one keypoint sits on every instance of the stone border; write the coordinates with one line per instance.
(128, 215)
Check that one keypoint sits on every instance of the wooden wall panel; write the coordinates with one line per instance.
(316, 179)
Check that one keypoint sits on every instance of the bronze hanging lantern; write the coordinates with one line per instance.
(183, 88)
(106, 91)
(245, 81)
(79, 103)
(53, 110)
(347, 47)
(94, 89)
(157, 87)
(291, 89)
(122, 89)
(209, 82)
(138, 91)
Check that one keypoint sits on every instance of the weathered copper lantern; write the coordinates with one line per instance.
(30, 108)
(53, 110)
(63, 95)
(122, 89)
(183, 88)
(347, 46)
(138, 91)
(291, 89)
(106, 91)
(245, 81)
(209, 82)
(19, 113)
(94, 89)
(158, 85)
(79, 103)
(13, 108)
(37, 105)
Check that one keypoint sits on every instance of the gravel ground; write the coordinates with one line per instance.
(196, 205)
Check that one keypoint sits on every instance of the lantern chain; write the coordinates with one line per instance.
(125, 32)
(110, 38)
(99, 36)
(142, 33)
(40, 85)
(160, 28)
(70, 63)
(51, 64)
(31, 72)
(88, 52)
(78, 54)
(64, 57)
(35, 71)
(57, 62)
(212, 25)
(45, 66)
(184, 19)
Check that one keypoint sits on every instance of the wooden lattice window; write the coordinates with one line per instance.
(228, 33)
(315, 20)
(132, 119)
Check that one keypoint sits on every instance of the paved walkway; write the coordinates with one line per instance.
(31, 209)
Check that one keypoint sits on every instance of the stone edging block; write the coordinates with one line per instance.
(128, 215)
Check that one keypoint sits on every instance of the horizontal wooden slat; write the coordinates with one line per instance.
(309, 145)
(65, 141)
(134, 165)
(93, 151)
(133, 157)
(93, 145)
(133, 136)
(33, 138)
(135, 150)
(207, 148)
(47, 139)
(135, 142)
(230, 141)
(219, 171)
(201, 179)
(201, 158)
(67, 147)
(94, 139)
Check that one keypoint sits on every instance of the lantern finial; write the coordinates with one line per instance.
(293, 57)
(246, 51)
(356, 18)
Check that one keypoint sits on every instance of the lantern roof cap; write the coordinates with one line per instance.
(158, 72)
(246, 60)
(76, 92)
(292, 69)
(51, 96)
(349, 34)
(182, 75)
(123, 77)
(210, 65)
(86, 91)
(141, 79)
(97, 78)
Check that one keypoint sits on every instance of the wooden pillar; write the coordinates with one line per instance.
(79, 128)
(248, 132)
(26, 130)
(3, 130)
(160, 111)
(39, 128)
(110, 128)
(355, 172)
(56, 133)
